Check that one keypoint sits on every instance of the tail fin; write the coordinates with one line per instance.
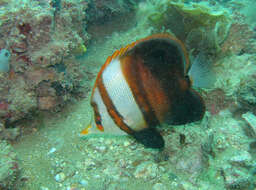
(201, 72)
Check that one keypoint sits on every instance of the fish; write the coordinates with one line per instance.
(142, 86)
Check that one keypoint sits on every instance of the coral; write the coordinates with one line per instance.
(9, 167)
(47, 103)
(216, 100)
(196, 23)
(9, 134)
(228, 78)
(102, 10)
(40, 35)
(21, 99)
(247, 91)
(239, 40)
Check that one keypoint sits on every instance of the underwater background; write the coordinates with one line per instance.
(50, 54)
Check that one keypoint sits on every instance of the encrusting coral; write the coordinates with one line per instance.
(197, 24)
(39, 37)
(9, 171)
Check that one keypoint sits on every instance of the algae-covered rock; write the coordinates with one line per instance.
(247, 90)
(250, 119)
(37, 38)
(237, 179)
(233, 82)
(195, 23)
(9, 169)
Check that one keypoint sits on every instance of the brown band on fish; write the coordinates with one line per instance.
(112, 111)
(171, 40)
(133, 77)
(97, 117)
(155, 93)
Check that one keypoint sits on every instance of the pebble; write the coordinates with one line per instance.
(89, 164)
(122, 163)
(126, 143)
(52, 150)
(60, 177)
(83, 182)
(191, 165)
(108, 142)
(133, 147)
(101, 148)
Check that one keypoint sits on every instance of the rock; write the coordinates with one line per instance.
(192, 164)
(60, 177)
(101, 149)
(127, 143)
(146, 170)
(252, 147)
(45, 89)
(35, 76)
(243, 159)
(250, 119)
(247, 91)
(37, 50)
(12, 133)
(46, 103)
(237, 179)
(9, 171)
(113, 171)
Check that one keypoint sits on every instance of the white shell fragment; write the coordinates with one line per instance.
(52, 150)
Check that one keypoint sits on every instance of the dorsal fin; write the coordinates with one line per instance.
(122, 51)
(173, 40)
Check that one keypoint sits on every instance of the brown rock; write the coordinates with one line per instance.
(47, 103)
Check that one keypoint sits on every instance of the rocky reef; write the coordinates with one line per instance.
(9, 167)
(43, 40)
(52, 58)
